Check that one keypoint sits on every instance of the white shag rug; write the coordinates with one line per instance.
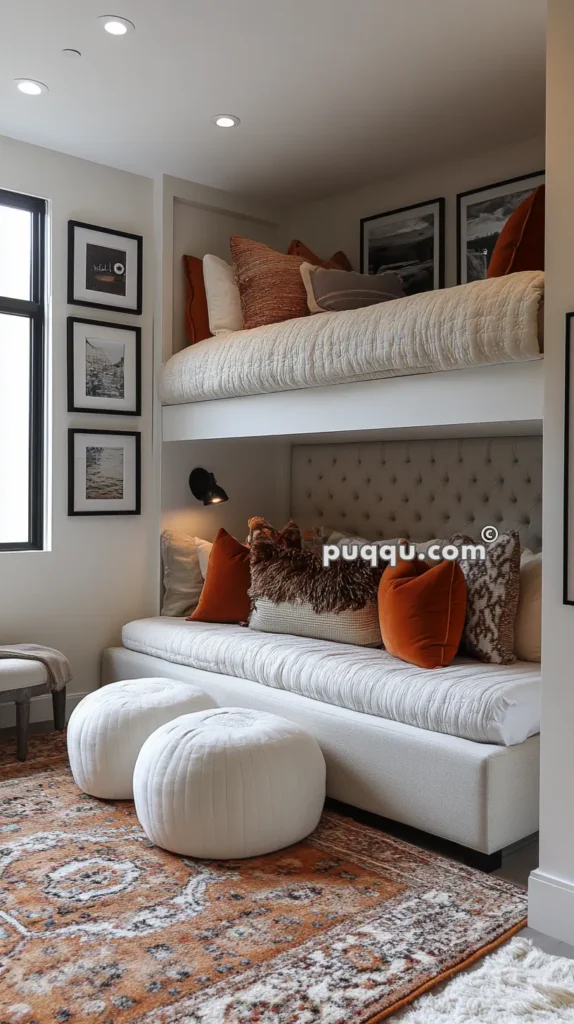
(516, 985)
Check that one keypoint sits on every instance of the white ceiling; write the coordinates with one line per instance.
(332, 94)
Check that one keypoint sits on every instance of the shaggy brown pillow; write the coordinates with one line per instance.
(291, 591)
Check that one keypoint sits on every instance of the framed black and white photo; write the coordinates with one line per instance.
(104, 268)
(104, 367)
(481, 216)
(568, 525)
(104, 472)
(409, 241)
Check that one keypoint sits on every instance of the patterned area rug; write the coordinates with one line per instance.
(97, 925)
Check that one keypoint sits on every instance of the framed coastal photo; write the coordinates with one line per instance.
(104, 367)
(409, 241)
(104, 268)
(481, 215)
(104, 472)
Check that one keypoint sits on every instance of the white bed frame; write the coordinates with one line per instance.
(481, 796)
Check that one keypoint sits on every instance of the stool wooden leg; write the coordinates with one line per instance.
(22, 723)
(59, 709)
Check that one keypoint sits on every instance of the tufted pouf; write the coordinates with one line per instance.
(108, 727)
(229, 783)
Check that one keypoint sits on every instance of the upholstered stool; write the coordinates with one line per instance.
(229, 783)
(108, 727)
(20, 680)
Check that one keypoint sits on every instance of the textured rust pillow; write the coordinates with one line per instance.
(225, 597)
(196, 315)
(520, 244)
(338, 260)
(270, 283)
(422, 611)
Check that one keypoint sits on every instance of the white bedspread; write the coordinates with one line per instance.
(487, 703)
(493, 321)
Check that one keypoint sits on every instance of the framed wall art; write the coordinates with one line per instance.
(481, 215)
(104, 367)
(104, 472)
(104, 268)
(410, 241)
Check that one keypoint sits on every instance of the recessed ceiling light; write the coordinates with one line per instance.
(116, 26)
(225, 120)
(30, 87)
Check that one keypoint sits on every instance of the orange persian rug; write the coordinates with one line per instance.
(98, 925)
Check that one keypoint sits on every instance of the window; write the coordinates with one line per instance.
(22, 315)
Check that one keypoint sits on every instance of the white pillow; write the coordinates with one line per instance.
(203, 550)
(182, 577)
(528, 625)
(223, 301)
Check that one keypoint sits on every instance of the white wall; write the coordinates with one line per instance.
(552, 886)
(331, 224)
(97, 573)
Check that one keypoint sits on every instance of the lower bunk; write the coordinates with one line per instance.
(479, 795)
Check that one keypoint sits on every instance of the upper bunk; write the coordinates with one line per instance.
(455, 361)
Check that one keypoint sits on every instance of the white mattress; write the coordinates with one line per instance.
(485, 703)
(493, 321)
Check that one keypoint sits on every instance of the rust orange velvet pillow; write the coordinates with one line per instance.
(224, 597)
(422, 610)
(520, 244)
(338, 260)
(196, 315)
(270, 284)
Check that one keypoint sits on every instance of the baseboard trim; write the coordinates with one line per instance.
(40, 709)
(551, 906)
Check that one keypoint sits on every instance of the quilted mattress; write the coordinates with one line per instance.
(485, 703)
(493, 321)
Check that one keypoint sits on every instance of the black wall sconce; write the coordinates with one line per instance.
(205, 488)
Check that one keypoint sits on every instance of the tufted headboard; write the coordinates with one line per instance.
(420, 489)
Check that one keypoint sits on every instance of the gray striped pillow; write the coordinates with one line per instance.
(334, 290)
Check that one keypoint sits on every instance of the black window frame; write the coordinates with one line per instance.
(33, 309)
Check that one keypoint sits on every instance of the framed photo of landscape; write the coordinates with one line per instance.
(104, 367)
(481, 215)
(104, 268)
(104, 472)
(409, 241)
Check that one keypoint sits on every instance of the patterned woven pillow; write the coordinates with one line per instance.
(291, 591)
(492, 599)
(270, 283)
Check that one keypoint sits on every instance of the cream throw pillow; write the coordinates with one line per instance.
(203, 550)
(528, 626)
(223, 301)
(182, 578)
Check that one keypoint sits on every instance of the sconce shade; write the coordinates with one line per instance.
(205, 488)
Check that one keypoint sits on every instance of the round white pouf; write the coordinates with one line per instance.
(108, 727)
(229, 783)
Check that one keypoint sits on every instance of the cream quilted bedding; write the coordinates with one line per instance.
(493, 321)
(486, 703)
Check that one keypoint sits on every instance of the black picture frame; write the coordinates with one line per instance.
(73, 432)
(75, 298)
(567, 593)
(435, 206)
(102, 410)
(461, 277)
